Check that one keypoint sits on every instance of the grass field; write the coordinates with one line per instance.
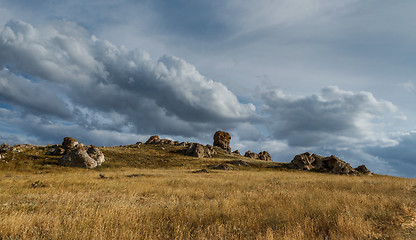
(152, 193)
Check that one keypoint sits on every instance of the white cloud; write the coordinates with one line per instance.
(168, 96)
(337, 118)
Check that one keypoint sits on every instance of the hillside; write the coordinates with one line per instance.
(154, 191)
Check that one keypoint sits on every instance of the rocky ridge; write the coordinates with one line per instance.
(74, 154)
(331, 164)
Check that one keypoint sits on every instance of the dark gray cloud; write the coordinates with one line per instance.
(117, 86)
(34, 97)
(401, 156)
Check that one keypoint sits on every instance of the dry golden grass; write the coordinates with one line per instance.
(138, 203)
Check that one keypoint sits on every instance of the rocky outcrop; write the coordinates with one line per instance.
(56, 150)
(362, 169)
(250, 154)
(156, 140)
(78, 155)
(222, 140)
(265, 156)
(332, 164)
(153, 140)
(5, 148)
(303, 161)
(200, 151)
(69, 143)
(237, 153)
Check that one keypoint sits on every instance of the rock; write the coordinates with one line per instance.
(238, 163)
(56, 150)
(331, 164)
(80, 156)
(222, 140)
(182, 144)
(167, 142)
(156, 140)
(153, 140)
(303, 161)
(69, 143)
(200, 151)
(222, 167)
(95, 153)
(5, 148)
(236, 152)
(250, 154)
(265, 156)
(362, 169)
(27, 146)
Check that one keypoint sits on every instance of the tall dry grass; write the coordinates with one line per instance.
(177, 204)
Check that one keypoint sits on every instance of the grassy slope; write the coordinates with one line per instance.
(151, 193)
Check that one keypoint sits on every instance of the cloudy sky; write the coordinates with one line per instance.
(286, 76)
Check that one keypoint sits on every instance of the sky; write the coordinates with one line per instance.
(285, 76)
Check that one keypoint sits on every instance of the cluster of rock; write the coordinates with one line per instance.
(75, 154)
(221, 144)
(332, 164)
(5, 149)
(200, 151)
(265, 156)
(191, 149)
(156, 140)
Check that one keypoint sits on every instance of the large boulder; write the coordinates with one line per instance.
(333, 164)
(153, 140)
(303, 161)
(222, 140)
(265, 156)
(251, 154)
(75, 154)
(200, 151)
(69, 143)
(83, 156)
(362, 169)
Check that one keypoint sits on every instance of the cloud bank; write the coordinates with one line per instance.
(333, 116)
(63, 72)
